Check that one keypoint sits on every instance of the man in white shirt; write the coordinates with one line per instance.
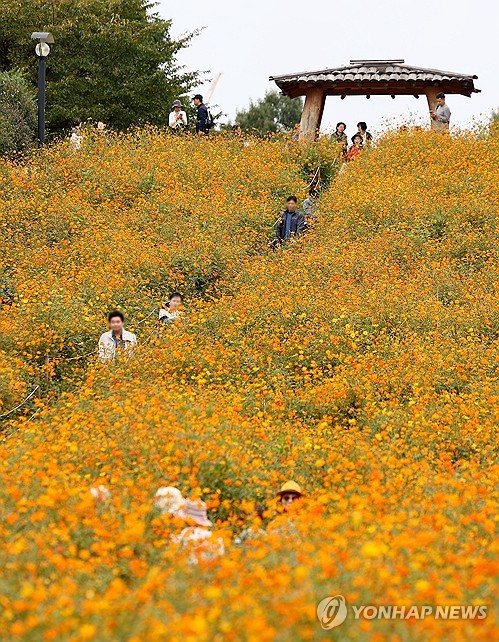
(441, 114)
(116, 338)
(178, 117)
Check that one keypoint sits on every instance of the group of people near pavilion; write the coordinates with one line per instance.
(362, 138)
(178, 124)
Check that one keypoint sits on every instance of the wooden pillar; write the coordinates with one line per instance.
(431, 92)
(312, 113)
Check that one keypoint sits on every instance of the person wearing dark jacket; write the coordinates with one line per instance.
(202, 115)
(292, 221)
(366, 136)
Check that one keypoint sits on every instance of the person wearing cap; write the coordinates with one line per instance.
(288, 493)
(197, 534)
(169, 500)
(178, 118)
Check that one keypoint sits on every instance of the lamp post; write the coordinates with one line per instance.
(42, 50)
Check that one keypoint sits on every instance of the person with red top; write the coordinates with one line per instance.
(355, 149)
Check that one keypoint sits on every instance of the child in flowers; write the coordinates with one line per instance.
(355, 149)
(172, 309)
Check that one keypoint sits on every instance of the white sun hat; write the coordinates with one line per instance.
(169, 500)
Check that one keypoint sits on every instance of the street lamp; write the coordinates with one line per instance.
(42, 50)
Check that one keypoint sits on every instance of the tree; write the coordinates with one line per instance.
(17, 113)
(112, 60)
(272, 113)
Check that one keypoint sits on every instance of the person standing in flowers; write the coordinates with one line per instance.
(441, 114)
(178, 118)
(355, 149)
(202, 117)
(172, 309)
(292, 221)
(116, 339)
(310, 204)
(366, 136)
(340, 137)
(197, 536)
(76, 138)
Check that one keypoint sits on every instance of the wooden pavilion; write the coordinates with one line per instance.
(368, 78)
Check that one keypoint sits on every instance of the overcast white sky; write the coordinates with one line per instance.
(250, 40)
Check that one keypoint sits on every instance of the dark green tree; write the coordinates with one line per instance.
(112, 60)
(272, 113)
(17, 113)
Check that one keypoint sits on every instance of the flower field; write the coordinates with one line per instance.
(360, 361)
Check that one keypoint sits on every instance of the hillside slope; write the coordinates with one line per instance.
(361, 362)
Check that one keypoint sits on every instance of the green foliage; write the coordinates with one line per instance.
(271, 114)
(112, 60)
(319, 161)
(17, 113)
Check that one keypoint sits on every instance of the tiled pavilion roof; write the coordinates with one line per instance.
(376, 77)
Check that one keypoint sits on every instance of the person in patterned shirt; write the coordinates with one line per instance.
(116, 338)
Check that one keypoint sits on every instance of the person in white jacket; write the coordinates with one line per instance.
(116, 338)
(178, 118)
(172, 309)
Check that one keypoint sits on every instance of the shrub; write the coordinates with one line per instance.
(18, 113)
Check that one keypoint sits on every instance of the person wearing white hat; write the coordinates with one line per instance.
(169, 500)
(178, 118)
